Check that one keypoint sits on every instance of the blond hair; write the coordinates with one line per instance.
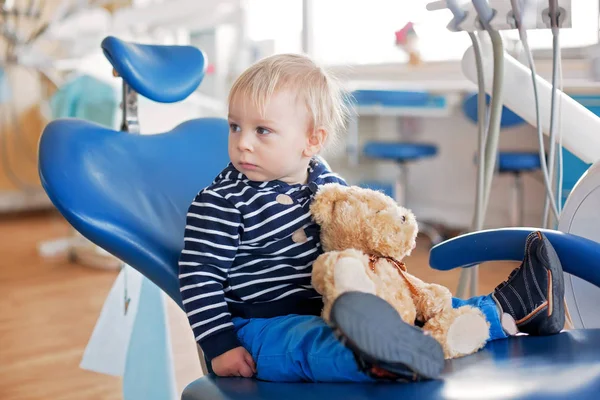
(325, 99)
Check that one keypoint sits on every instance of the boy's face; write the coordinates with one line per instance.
(272, 146)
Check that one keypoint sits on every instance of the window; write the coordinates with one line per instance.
(276, 21)
(362, 31)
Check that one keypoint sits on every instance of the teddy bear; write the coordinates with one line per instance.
(365, 236)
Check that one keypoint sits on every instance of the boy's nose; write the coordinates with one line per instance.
(245, 142)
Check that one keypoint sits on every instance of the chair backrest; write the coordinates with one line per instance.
(129, 193)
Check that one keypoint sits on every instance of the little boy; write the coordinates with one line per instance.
(250, 242)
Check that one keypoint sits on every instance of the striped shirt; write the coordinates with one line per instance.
(248, 252)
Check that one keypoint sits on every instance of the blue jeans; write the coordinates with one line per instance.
(295, 348)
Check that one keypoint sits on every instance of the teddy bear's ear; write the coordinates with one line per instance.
(325, 200)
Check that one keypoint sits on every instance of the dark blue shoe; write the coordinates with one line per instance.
(385, 347)
(534, 292)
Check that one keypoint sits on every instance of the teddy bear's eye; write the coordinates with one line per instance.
(404, 218)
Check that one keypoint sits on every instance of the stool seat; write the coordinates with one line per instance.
(514, 161)
(165, 74)
(399, 151)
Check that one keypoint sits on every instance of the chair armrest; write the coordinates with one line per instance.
(579, 256)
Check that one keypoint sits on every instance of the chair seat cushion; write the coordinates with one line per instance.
(561, 366)
(165, 74)
(512, 161)
(399, 151)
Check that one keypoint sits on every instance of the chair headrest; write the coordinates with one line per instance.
(161, 73)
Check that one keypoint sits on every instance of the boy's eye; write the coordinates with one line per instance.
(262, 131)
(234, 128)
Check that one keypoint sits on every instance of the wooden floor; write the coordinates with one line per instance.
(49, 308)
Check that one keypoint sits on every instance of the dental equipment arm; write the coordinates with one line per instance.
(580, 127)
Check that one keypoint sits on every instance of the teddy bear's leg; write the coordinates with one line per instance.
(461, 331)
(350, 275)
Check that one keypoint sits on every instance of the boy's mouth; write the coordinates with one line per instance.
(246, 165)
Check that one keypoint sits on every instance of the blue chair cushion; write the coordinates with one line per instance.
(399, 151)
(165, 74)
(130, 193)
(509, 118)
(534, 368)
(514, 161)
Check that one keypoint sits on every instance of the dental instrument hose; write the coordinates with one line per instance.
(492, 137)
(481, 133)
(485, 140)
(553, 159)
(557, 110)
(523, 36)
(486, 14)
(477, 223)
(459, 16)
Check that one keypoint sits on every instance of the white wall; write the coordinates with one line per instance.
(158, 118)
(443, 188)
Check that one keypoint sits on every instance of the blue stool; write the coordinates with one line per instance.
(514, 163)
(404, 153)
(129, 194)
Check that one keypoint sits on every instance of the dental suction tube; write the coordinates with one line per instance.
(580, 127)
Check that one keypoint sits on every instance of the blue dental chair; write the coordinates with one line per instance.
(129, 194)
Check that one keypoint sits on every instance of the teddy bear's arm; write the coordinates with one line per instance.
(430, 298)
(322, 276)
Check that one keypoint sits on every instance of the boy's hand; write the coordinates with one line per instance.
(235, 362)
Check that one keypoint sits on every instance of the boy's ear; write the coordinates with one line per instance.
(315, 141)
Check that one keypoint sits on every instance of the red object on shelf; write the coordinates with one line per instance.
(404, 34)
